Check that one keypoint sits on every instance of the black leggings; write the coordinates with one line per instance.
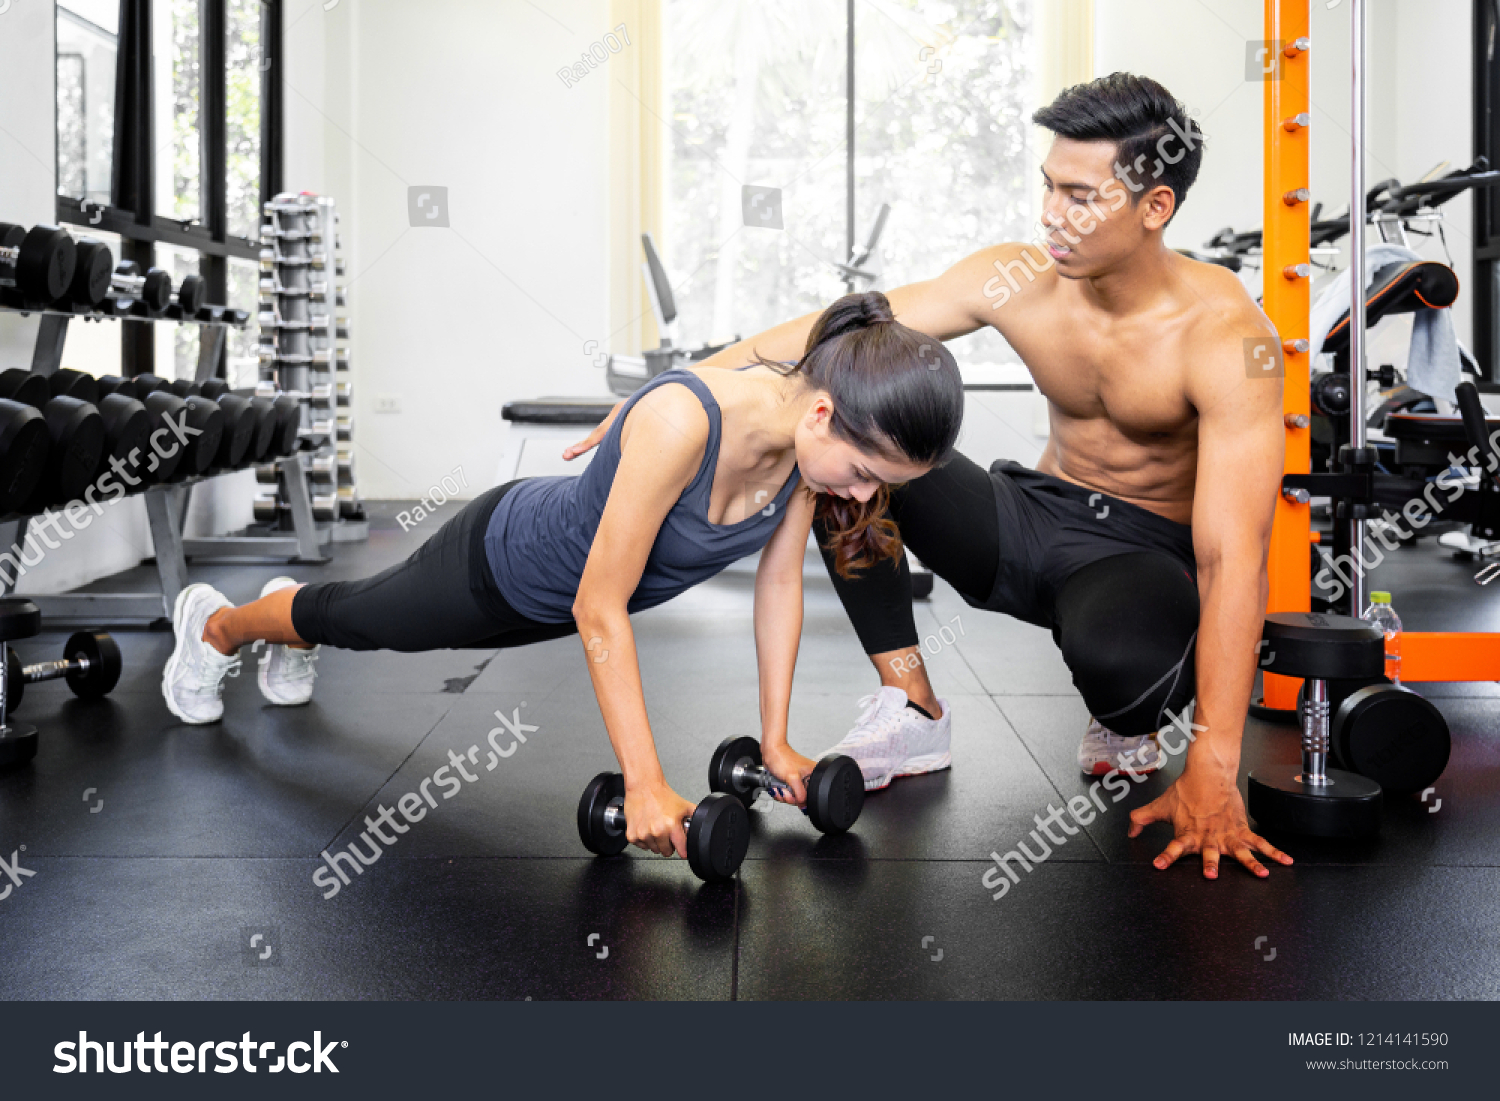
(1126, 623)
(442, 597)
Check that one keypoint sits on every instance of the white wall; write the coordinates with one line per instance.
(1419, 105)
(383, 95)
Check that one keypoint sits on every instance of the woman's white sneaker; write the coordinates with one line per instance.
(891, 739)
(1103, 751)
(194, 677)
(286, 673)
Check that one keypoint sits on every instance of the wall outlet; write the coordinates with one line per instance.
(387, 403)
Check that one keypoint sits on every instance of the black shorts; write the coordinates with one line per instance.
(1050, 529)
(443, 597)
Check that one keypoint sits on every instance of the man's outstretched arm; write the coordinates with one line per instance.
(949, 306)
(1240, 447)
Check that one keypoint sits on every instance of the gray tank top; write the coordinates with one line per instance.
(540, 533)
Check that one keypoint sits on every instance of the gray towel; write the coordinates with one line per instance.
(1432, 361)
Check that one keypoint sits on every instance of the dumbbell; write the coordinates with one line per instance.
(66, 382)
(350, 506)
(239, 419)
(1310, 798)
(835, 790)
(188, 299)
(25, 443)
(266, 508)
(90, 663)
(19, 619)
(76, 431)
(38, 263)
(718, 832)
(146, 294)
(262, 447)
(127, 425)
(1386, 732)
(91, 275)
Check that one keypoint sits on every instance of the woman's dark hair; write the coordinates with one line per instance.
(896, 393)
(1153, 135)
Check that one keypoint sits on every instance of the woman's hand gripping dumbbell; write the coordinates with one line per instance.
(835, 789)
(717, 830)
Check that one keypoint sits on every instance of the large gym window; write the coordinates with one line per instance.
(758, 96)
(87, 34)
(169, 136)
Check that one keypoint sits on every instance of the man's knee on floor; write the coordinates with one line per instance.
(1129, 686)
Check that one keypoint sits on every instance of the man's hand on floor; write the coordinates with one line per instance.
(1208, 816)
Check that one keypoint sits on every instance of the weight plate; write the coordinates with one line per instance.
(24, 444)
(1393, 736)
(732, 752)
(718, 837)
(17, 745)
(103, 655)
(597, 837)
(15, 684)
(835, 793)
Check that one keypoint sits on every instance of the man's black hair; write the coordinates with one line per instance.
(1155, 140)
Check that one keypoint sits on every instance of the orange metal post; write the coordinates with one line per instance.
(1287, 302)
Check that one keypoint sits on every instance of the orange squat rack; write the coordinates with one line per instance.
(1426, 656)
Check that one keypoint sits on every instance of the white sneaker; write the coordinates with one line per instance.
(1103, 751)
(891, 739)
(286, 673)
(194, 676)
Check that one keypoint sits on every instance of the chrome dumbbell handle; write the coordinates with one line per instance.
(1315, 734)
(748, 775)
(614, 817)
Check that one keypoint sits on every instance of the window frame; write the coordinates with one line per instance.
(131, 213)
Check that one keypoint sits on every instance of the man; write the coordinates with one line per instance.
(1140, 540)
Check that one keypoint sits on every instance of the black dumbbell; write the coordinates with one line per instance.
(127, 433)
(134, 293)
(1389, 734)
(66, 382)
(19, 618)
(261, 448)
(91, 275)
(214, 388)
(835, 790)
(206, 420)
(718, 833)
(240, 425)
(188, 300)
(24, 446)
(77, 439)
(1309, 798)
(38, 264)
(90, 663)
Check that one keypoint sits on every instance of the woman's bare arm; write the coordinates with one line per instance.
(778, 632)
(661, 450)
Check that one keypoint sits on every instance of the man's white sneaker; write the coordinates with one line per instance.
(286, 673)
(891, 739)
(194, 676)
(1102, 751)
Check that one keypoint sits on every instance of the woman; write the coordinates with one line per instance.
(698, 471)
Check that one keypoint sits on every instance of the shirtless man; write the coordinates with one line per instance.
(1140, 540)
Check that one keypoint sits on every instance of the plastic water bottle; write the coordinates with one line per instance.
(1384, 616)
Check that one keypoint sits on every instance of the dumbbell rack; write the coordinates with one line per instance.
(166, 509)
(301, 293)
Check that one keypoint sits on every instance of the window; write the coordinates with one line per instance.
(242, 74)
(178, 102)
(87, 31)
(758, 95)
(176, 156)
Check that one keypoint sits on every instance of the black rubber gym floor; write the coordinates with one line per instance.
(208, 836)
